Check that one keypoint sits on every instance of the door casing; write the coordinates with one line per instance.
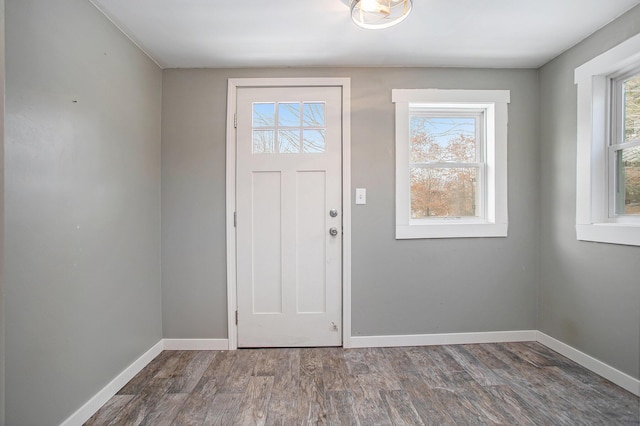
(233, 85)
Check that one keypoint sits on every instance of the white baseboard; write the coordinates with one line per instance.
(608, 372)
(442, 339)
(85, 412)
(196, 344)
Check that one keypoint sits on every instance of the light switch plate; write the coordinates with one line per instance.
(361, 195)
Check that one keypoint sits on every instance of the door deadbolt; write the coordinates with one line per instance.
(333, 212)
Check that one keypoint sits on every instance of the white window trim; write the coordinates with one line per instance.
(592, 202)
(494, 102)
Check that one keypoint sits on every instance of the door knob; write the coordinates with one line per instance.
(333, 212)
(333, 231)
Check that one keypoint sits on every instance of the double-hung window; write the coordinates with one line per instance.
(624, 148)
(608, 149)
(451, 163)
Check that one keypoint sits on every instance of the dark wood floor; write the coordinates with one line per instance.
(507, 384)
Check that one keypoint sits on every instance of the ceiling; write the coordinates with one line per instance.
(287, 33)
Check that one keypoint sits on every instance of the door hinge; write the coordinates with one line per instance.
(235, 219)
(235, 121)
(236, 317)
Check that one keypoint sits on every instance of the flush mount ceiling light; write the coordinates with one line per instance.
(375, 14)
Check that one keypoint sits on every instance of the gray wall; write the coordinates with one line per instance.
(82, 240)
(589, 292)
(2, 213)
(399, 287)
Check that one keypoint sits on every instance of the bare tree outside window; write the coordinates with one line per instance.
(288, 128)
(444, 166)
(628, 159)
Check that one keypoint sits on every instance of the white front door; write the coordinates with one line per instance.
(289, 216)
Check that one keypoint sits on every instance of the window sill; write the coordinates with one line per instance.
(453, 230)
(611, 233)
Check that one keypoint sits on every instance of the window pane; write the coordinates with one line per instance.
(289, 114)
(263, 141)
(442, 139)
(443, 192)
(628, 193)
(289, 141)
(313, 114)
(632, 108)
(313, 141)
(264, 115)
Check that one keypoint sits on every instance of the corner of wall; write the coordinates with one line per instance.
(538, 262)
(2, 213)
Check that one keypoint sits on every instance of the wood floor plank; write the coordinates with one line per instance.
(196, 407)
(340, 409)
(334, 370)
(356, 364)
(367, 402)
(517, 406)
(488, 406)
(237, 380)
(498, 350)
(487, 359)
(283, 404)
(134, 412)
(310, 361)
(221, 365)
(458, 408)
(254, 407)
(437, 378)
(399, 360)
(400, 408)
(378, 362)
(427, 406)
(554, 357)
(443, 359)
(175, 365)
(109, 411)
(166, 410)
(135, 385)
(311, 400)
(192, 373)
(266, 362)
(530, 356)
(475, 368)
(420, 357)
(584, 399)
(534, 392)
(223, 409)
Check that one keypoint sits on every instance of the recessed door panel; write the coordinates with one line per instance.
(267, 243)
(311, 236)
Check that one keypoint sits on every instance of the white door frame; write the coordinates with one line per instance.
(234, 84)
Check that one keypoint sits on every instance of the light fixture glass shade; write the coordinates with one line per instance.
(374, 14)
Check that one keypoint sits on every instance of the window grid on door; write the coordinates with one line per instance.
(288, 128)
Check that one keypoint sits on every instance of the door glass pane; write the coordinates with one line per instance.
(313, 141)
(442, 139)
(289, 141)
(289, 114)
(313, 114)
(628, 181)
(443, 192)
(263, 141)
(632, 108)
(264, 114)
